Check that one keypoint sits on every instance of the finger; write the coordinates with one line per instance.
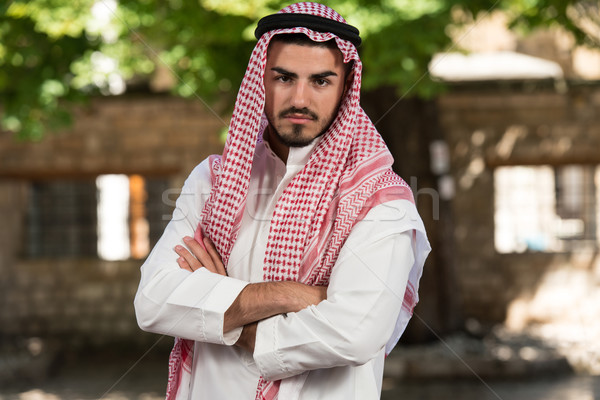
(191, 261)
(201, 254)
(214, 254)
(184, 264)
(198, 255)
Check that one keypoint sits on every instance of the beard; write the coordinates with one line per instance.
(297, 135)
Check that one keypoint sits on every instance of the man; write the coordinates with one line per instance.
(313, 248)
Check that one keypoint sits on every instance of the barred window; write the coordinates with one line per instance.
(61, 219)
(114, 217)
(546, 208)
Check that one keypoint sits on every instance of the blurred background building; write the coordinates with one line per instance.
(503, 158)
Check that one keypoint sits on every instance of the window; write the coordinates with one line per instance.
(114, 217)
(546, 208)
(61, 219)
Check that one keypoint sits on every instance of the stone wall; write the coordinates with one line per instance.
(90, 301)
(512, 124)
(86, 301)
(144, 134)
(74, 301)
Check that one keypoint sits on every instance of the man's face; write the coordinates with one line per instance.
(303, 90)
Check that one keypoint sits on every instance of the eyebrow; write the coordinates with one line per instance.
(294, 75)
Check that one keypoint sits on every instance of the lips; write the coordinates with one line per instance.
(299, 116)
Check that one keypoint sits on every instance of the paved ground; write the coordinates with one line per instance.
(146, 388)
(125, 380)
(502, 366)
(562, 388)
(568, 388)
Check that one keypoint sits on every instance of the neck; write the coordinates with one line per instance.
(280, 149)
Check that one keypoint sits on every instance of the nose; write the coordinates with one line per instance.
(300, 95)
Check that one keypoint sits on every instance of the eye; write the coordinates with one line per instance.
(283, 78)
(321, 82)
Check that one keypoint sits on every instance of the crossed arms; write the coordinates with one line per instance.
(348, 327)
(256, 301)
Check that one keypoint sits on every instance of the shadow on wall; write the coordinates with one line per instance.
(563, 310)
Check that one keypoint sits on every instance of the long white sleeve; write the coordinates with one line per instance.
(334, 350)
(177, 302)
(364, 298)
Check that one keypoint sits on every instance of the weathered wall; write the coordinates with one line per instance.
(519, 124)
(86, 301)
(485, 126)
(408, 126)
(89, 301)
(129, 134)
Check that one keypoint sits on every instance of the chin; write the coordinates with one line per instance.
(296, 141)
(305, 143)
(294, 136)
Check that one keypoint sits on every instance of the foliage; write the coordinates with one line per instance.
(54, 52)
(38, 42)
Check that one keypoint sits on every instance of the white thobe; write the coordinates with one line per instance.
(340, 341)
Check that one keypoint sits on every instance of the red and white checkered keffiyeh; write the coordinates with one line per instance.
(347, 174)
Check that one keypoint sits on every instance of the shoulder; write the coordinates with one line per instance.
(400, 214)
(204, 173)
(200, 181)
(390, 220)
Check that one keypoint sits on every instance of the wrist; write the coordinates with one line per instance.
(255, 302)
(295, 296)
(261, 300)
(284, 297)
(276, 298)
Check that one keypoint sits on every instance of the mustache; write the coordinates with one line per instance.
(302, 111)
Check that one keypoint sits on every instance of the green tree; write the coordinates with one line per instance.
(55, 52)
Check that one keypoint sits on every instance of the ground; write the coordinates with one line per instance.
(497, 367)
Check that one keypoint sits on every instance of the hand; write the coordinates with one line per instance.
(199, 257)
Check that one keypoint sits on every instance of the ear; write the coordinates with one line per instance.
(348, 82)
